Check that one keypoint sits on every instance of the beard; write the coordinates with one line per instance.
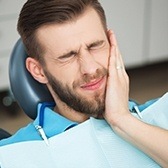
(93, 107)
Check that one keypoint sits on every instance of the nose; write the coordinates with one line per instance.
(88, 63)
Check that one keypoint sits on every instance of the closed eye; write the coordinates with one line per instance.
(67, 56)
(96, 45)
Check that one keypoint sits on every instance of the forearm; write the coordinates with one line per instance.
(150, 139)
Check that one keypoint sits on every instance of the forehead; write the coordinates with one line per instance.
(58, 38)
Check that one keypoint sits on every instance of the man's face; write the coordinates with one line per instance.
(76, 57)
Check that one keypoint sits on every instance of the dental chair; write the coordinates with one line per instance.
(4, 134)
(26, 90)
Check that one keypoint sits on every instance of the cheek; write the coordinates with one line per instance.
(103, 58)
(68, 75)
(106, 59)
(106, 55)
(65, 74)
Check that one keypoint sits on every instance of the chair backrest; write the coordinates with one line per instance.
(26, 90)
(4, 134)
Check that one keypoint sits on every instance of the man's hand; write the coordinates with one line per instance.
(150, 139)
(117, 91)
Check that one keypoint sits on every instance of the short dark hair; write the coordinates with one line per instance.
(37, 13)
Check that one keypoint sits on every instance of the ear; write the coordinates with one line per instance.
(36, 70)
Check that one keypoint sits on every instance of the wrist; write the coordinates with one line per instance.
(120, 121)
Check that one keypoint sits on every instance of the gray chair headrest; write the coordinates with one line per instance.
(26, 90)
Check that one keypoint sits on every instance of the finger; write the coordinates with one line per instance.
(118, 54)
(115, 53)
(116, 60)
(112, 57)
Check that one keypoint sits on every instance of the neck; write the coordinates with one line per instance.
(69, 113)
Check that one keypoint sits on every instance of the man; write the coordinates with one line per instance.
(71, 51)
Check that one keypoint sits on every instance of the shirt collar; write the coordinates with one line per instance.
(53, 123)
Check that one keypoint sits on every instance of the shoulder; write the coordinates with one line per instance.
(24, 134)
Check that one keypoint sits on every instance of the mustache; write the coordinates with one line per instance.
(86, 78)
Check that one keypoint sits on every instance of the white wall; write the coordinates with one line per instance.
(9, 11)
(141, 27)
